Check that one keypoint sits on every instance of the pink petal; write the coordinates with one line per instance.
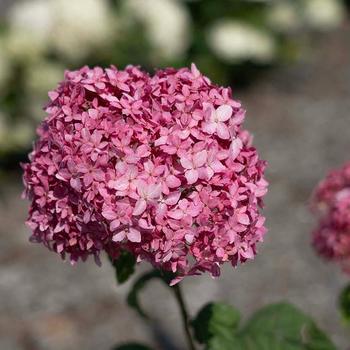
(119, 236)
(209, 127)
(191, 176)
(189, 237)
(209, 172)
(87, 179)
(199, 159)
(235, 148)
(143, 151)
(154, 191)
(173, 198)
(53, 95)
(186, 163)
(220, 252)
(142, 188)
(176, 214)
(140, 207)
(76, 184)
(222, 131)
(119, 185)
(224, 113)
(243, 219)
(172, 181)
(161, 141)
(217, 166)
(109, 214)
(134, 235)
(114, 224)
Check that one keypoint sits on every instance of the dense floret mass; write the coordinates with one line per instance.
(156, 165)
(331, 201)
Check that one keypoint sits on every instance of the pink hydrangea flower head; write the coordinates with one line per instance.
(331, 202)
(157, 165)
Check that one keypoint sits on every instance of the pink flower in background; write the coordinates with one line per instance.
(157, 165)
(331, 202)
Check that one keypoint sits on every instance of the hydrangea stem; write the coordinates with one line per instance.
(184, 314)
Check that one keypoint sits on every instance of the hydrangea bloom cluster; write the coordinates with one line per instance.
(331, 201)
(157, 165)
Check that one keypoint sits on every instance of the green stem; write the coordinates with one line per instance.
(184, 315)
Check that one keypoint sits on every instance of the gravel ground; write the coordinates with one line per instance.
(300, 118)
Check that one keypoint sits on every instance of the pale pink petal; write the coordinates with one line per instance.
(161, 210)
(119, 236)
(224, 113)
(183, 204)
(140, 207)
(109, 214)
(220, 252)
(243, 219)
(114, 224)
(238, 117)
(76, 184)
(119, 185)
(217, 166)
(199, 159)
(209, 172)
(142, 188)
(235, 148)
(189, 238)
(186, 163)
(134, 235)
(222, 131)
(87, 179)
(143, 151)
(172, 181)
(154, 191)
(209, 127)
(161, 141)
(191, 176)
(173, 198)
(176, 214)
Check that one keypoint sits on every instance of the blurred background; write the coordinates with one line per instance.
(287, 61)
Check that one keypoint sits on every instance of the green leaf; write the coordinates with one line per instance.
(132, 346)
(344, 303)
(282, 326)
(124, 266)
(133, 296)
(215, 319)
(274, 327)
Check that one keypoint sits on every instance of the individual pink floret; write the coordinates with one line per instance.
(156, 165)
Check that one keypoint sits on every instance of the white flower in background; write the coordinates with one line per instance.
(167, 24)
(80, 25)
(33, 17)
(283, 16)
(30, 26)
(235, 41)
(43, 76)
(324, 14)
